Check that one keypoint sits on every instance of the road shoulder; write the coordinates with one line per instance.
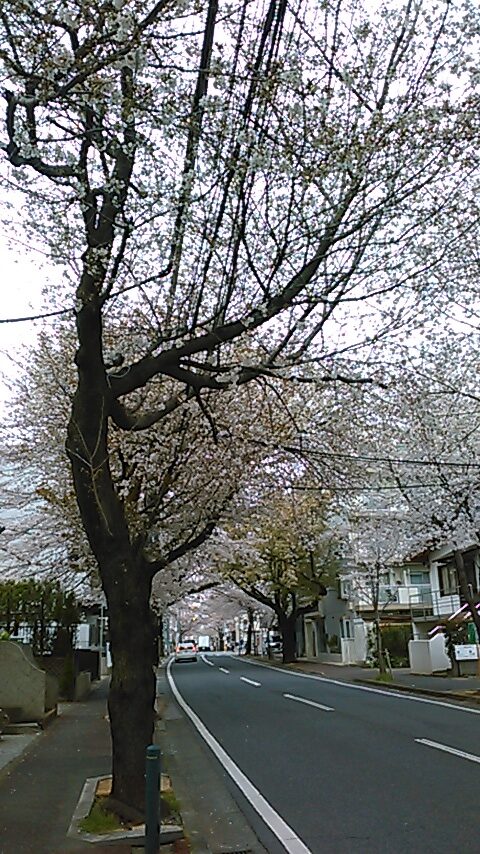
(213, 820)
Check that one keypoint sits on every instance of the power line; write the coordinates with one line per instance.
(362, 458)
(36, 316)
(363, 488)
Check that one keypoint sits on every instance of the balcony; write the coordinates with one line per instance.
(391, 597)
(419, 600)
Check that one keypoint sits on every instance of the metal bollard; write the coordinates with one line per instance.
(152, 800)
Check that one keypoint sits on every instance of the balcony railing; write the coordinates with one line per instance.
(395, 595)
(419, 599)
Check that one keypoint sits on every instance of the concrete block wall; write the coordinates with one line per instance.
(23, 686)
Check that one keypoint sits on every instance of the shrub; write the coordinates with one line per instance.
(395, 639)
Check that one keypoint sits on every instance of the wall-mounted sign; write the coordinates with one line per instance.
(466, 652)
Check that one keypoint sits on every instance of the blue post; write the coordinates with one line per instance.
(152, 800)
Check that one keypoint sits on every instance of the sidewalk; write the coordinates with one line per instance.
(42, 775)
(451, 687)
(40, 788)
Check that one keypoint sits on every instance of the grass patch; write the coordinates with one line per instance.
(99, 820)
(170, 799)
(384, 677)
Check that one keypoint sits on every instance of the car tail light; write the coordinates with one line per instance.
(177, 649)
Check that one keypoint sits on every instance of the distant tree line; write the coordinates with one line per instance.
(49, 614)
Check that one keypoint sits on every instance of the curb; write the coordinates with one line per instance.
(429, 692)
(465, 697)
(168, 833)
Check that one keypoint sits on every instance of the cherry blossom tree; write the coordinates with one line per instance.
(420, 483)
(436, 462)
(377, 539)
(222, 605)
(31, 544)
(233, 194)
(282, 555)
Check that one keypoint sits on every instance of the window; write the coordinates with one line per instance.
(346, 628)
(447, 575)
(419, 576)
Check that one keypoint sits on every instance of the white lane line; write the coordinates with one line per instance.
(206, 661)
(388, 693)
(224, 670)
(447, 749)
(290, 841)
(309, 702)
(251, 682)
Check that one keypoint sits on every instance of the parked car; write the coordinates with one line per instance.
(186, 651)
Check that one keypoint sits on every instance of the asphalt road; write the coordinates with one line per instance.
(346, 768)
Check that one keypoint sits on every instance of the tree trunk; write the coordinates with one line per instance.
(125, 577)
(248, 647)
(289, 639)
(378, 637)
(132, 689)
(469, 597)
(161, 639)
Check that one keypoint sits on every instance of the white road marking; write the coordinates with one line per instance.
(224, 670)
(288, 838)
(251, 682)
(447, 749)
(309, 702)
(206, 661)
(387, 693)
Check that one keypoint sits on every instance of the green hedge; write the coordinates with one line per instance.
(395, 638)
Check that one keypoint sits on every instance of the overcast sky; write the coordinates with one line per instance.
(22, 278)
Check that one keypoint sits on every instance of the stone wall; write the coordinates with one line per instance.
(23, 686)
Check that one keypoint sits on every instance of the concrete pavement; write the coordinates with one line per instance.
(40, 788)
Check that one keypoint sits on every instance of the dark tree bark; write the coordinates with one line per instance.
(467, 594)
(248, 647)
(132, 690)
(382, 667)
(160, 630)
(287, 626)
(125, 577)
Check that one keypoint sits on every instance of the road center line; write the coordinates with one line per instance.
(224, 670)
(309, 702)
(447, 749)
(290, 841)
(251, 682)
(206, 661)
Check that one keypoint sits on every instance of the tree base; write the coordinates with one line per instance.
(125, 812)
